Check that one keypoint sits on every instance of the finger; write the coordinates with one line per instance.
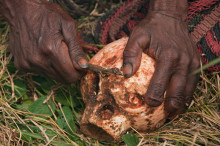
(192, 81)
(190, 88)
(49, 72)
(43, 68)
(133, 52)
(175, 95)
(159, 82)
(62, 64)
(69, 30)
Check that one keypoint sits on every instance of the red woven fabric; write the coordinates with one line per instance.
(213, 43)
(109, 21)
(198, 6)
(203, 20)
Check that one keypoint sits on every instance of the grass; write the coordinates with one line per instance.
(39, 111)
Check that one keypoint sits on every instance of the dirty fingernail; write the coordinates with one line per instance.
(83, 63)
(127, 70)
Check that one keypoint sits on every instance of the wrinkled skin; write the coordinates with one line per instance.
(43, 40)
(164, 36)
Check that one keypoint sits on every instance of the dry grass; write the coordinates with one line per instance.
(200, 125)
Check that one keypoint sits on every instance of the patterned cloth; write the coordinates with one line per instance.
(203, 25)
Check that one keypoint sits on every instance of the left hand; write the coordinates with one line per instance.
(44, 40)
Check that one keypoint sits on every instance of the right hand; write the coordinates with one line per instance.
(44, 40)
(165, 38)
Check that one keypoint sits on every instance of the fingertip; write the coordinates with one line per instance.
(153, 102)
(171, 104)
(80, 59)
(174, 106)
(131, 62)
(132, 55)
(127, 69)
(155, 94)
(82, 62)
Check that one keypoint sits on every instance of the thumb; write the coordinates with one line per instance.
(133, 53)
(69, 30)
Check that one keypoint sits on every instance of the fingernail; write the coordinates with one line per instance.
(127, 70)
(82, 62)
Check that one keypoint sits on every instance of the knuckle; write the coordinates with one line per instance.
(45, 46)
(71, 25)
(133, 49)
(138, 29)
(171, 55)
(178, 94)
(138, 42)
(75, 50)
(185, 60)
(196, 62)
(131, 53)
(48, 49)
(36, 60)
(74, 45)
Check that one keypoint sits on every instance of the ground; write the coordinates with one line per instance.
(39, 111)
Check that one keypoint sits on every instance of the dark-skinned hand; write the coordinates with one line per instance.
(163, 35)
(43, 39)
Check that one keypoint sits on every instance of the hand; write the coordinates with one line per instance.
(44, 40)
(165, 38)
